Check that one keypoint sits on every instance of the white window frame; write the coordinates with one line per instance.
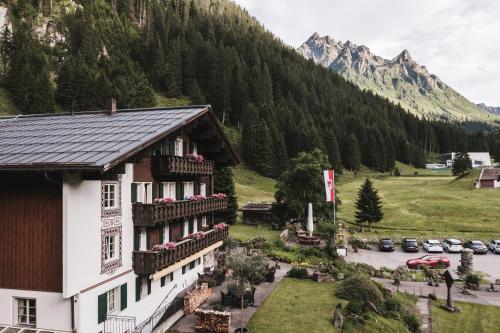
(195, 224)
(28, 311)
(145, 192)
(110, 247)
(144, 287)
(166, 234)
(204, 221)
(186, 227)
(113, 301)
(195, 149)
(188, 189)
(110, 196)
(179, 147)
(169, 190)
(143, 240)
(203, 189)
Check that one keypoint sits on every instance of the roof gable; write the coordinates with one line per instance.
(88, 140)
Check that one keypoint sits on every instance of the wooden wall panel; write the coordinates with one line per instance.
(142, 171)
(30, 233)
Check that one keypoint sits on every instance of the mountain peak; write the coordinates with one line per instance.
(404, 56)
(314, 36)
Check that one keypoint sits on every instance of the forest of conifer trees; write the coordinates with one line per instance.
(214, 52)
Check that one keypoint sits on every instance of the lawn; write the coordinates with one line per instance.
(307, 306)
(245, 232)
(473, 318)
(437, 206)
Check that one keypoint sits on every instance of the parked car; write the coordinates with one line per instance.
(432, 245)
(386, 244)
(477, 246)
(429, 261)
(494, 246)
(452, 245)
(410, 245)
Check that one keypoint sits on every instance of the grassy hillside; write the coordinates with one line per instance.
(252, 187)
(438, 206)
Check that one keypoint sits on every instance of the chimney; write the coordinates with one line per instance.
(111, 106)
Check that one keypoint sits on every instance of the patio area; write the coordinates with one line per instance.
(187, 323)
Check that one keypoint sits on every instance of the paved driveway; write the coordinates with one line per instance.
(486, 263)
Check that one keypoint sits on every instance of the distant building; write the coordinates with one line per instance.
(435, 166)
(489, 178)
(254, 213)
(479, 160)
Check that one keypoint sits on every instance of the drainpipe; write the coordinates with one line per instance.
(73, 326)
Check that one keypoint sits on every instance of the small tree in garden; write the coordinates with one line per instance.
(301, 184)
(224, 183)
(245, 270)
(368, 205)
(461, 164)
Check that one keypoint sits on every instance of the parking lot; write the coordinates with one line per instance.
(486, 263)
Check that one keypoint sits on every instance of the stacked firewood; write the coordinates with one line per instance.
(212, 321)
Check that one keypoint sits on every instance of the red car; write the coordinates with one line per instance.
(429, 262)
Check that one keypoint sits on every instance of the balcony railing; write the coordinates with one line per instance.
(147, 215)
(170, 164)
(149, 262)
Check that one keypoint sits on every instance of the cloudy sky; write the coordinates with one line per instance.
(458, 40)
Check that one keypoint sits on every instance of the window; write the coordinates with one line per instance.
(110, 196)
(111, 301)
(198, 261)
(188, 189)
(109, 247)
(178, 151)
(164, 279)
(186, 228)
(26, 311)
(194, 148)
(166, 234)
(144, 192)
(184, 269)
(192, 265)
(169, 190)
(203, 189)
(203, 221)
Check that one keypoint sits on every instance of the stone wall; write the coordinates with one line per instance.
(196, 297)
(212, 321)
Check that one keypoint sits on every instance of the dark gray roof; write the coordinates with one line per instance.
(87, 140)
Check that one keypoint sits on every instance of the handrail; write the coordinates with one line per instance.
(169, 164)
(139, 328)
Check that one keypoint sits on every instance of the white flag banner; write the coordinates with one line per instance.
(329, 176)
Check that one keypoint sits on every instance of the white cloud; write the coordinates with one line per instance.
(458, 40)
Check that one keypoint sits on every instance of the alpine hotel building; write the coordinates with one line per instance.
(87, 200)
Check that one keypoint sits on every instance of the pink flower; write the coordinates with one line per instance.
(220, 226)
(198, 235)
(196, 158)
(169, 246)
(197, 197)
(164, 200)
(218, 195)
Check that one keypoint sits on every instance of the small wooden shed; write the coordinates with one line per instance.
(254, 213)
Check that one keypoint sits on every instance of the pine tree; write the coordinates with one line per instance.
(351, 155)
(224, 183)
(249, 134)
(368, 205)
(461, 164)
(264, 157)
(333, 152)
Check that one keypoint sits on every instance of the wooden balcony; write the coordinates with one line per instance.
(149, 262)
(148, 215)
(170, 164)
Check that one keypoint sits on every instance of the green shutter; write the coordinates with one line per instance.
(137, 239)
(148, 240)
(133, 192)
(162, 194)
(161, 230)
(138, 281)
(102, 307)
(171, 145)
(149, 286)
(191, 225)
(178, 191)
(162, 281)
(123, 297)
(155, 190)
(185, 151)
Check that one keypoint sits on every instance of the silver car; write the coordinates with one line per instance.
(494, 246)
(432, 245)
(452, 245)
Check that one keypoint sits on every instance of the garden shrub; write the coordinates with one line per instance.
(298, 273)
(413, 321)
(360, 289)
(403, 306)
(355, 307)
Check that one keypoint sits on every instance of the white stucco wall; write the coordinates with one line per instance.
(53, 311)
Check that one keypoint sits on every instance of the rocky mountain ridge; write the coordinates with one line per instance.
(400, 79)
